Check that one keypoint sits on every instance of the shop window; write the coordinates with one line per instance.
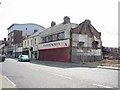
(94, 44)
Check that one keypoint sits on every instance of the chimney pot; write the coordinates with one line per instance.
(66, 20)
(53, 23)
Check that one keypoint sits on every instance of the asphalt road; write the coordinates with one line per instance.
(43, 74)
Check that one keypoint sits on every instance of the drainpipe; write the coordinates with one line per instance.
(70, 52)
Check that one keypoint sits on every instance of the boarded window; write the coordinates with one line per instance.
(95, 44)
(80, 45)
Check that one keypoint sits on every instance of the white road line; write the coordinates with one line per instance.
(9, 81)
(35, 69)
(60, 75)
(102, 86)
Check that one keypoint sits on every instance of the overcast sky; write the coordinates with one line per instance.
(102, 13)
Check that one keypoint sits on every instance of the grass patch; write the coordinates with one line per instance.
(106, 62)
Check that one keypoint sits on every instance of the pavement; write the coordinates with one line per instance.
(109, 67)
(67, 65)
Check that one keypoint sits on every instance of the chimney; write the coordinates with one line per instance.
(53, 23)
(66, 20)
(87, 21)
(4, 39)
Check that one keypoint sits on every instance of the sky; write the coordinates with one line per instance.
(103, 15)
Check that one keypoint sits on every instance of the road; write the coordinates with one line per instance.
(44, 74)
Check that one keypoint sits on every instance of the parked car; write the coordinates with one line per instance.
(23, 58)
(2, 58)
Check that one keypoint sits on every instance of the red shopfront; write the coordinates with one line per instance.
(55, 51)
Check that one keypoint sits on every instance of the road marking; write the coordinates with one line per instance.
(102, 86)
(60, 75)
(9, 81)
(35, 69)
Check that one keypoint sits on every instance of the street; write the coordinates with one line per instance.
(46, 74)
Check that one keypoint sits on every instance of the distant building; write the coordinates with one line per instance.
(18, 32)
(3, 47)
(113, 53)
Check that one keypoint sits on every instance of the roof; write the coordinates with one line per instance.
(34, 34)
(86, 28)
(23, 24)
(58, 28)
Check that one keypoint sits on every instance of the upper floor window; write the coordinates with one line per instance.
(95, 44)
(13, 34)
(61, 36)
(12, 40)
(28, 42)
(43, 39)
(31, 42)
(25, 43)
(35, 41)
(54, 37)
(46, 39)
(49, 38)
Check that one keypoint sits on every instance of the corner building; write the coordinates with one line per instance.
(69, 42)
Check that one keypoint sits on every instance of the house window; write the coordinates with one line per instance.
(61, 36)
(35, 41)
(13, 34)
(25, 43)
(95, 44)
(12, 40)
(46, 38)
(49, 38)
(43, 39)
(80, 45)
(31, 42)
(54, 37)
(28, 42)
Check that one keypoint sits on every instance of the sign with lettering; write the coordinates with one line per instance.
(56, 44)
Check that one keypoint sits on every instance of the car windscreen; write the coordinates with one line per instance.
(24, 56)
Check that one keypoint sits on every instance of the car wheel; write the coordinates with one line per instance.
(3, 59)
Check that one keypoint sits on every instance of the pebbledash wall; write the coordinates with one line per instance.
(69, 42)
